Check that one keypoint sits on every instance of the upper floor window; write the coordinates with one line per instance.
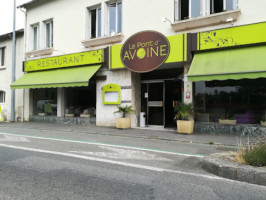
(35, 34)
(217, 6)
(49, 34)
(2, 97)
(115, 18)
(96, 18)
(2, 56)
(187, 9)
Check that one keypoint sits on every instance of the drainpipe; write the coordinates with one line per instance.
(13, 75)
(25, 39)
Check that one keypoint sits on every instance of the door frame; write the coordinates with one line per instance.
(147, 109)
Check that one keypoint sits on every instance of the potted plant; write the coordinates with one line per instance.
(123, 122)
(263, 121)
(229, 121)
(184, 118)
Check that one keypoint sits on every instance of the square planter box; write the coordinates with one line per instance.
(263, 123)
(85, 115)
(227, 121)
(186, 127)
(123, 123)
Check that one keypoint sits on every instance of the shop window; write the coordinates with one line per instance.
(186, 9)
(45, 101)
(49, 34)
(2, 56)
(243, 100)
(115, 18)
(95, 19)
(2, 97)
(81, 101)
(35, 37)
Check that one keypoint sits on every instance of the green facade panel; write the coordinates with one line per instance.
(71, 77)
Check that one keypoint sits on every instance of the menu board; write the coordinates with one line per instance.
(111, 94)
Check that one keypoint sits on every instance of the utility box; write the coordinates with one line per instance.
(142, 119)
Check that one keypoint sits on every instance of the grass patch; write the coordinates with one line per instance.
(254, 154)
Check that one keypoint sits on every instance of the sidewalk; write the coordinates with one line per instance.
(163, 134)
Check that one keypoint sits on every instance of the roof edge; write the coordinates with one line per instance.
(9, 35)
(31, 3)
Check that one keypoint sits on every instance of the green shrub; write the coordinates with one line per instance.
(125, 110)
(256, 155)
(184, 111)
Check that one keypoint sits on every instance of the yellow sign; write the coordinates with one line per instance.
(70, 60)
(1, 115)
(235, 36)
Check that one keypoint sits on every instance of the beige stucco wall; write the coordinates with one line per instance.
(71, 20)
(105, 115)
(5, 77)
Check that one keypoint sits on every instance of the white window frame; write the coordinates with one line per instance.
(210, 11)
(50, 23)
(38, 37)
(178, 9)
(204, 8)
(4, 96)
(2, 47)
(97, 8)
(116, 18)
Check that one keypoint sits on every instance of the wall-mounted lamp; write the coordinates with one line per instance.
(164, 19)
(230, 19)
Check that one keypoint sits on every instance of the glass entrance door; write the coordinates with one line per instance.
(157, 101)
(155, 104)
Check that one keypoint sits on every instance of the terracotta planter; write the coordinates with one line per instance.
(123, 123)
(263, 123)
(227, 121)
(185, 126)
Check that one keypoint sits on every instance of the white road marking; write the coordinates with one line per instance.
(12, 138)
(127, 164)
(108, 145)
(118, 153)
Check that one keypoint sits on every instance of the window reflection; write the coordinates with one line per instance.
(45, 101)
(244, 99)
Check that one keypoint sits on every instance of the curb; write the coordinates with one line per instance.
(231, 170)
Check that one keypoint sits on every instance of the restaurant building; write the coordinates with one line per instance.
(85, 58)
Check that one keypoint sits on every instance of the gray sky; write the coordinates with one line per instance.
(6, 16)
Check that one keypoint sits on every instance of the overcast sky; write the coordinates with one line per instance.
(6, 16)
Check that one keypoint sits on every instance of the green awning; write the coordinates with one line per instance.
(72, 77)
(248, 62)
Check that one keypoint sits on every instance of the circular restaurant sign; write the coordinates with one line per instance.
(145, 51)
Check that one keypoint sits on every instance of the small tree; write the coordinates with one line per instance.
(125, 110)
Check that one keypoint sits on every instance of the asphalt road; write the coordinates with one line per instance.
(36, 164)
